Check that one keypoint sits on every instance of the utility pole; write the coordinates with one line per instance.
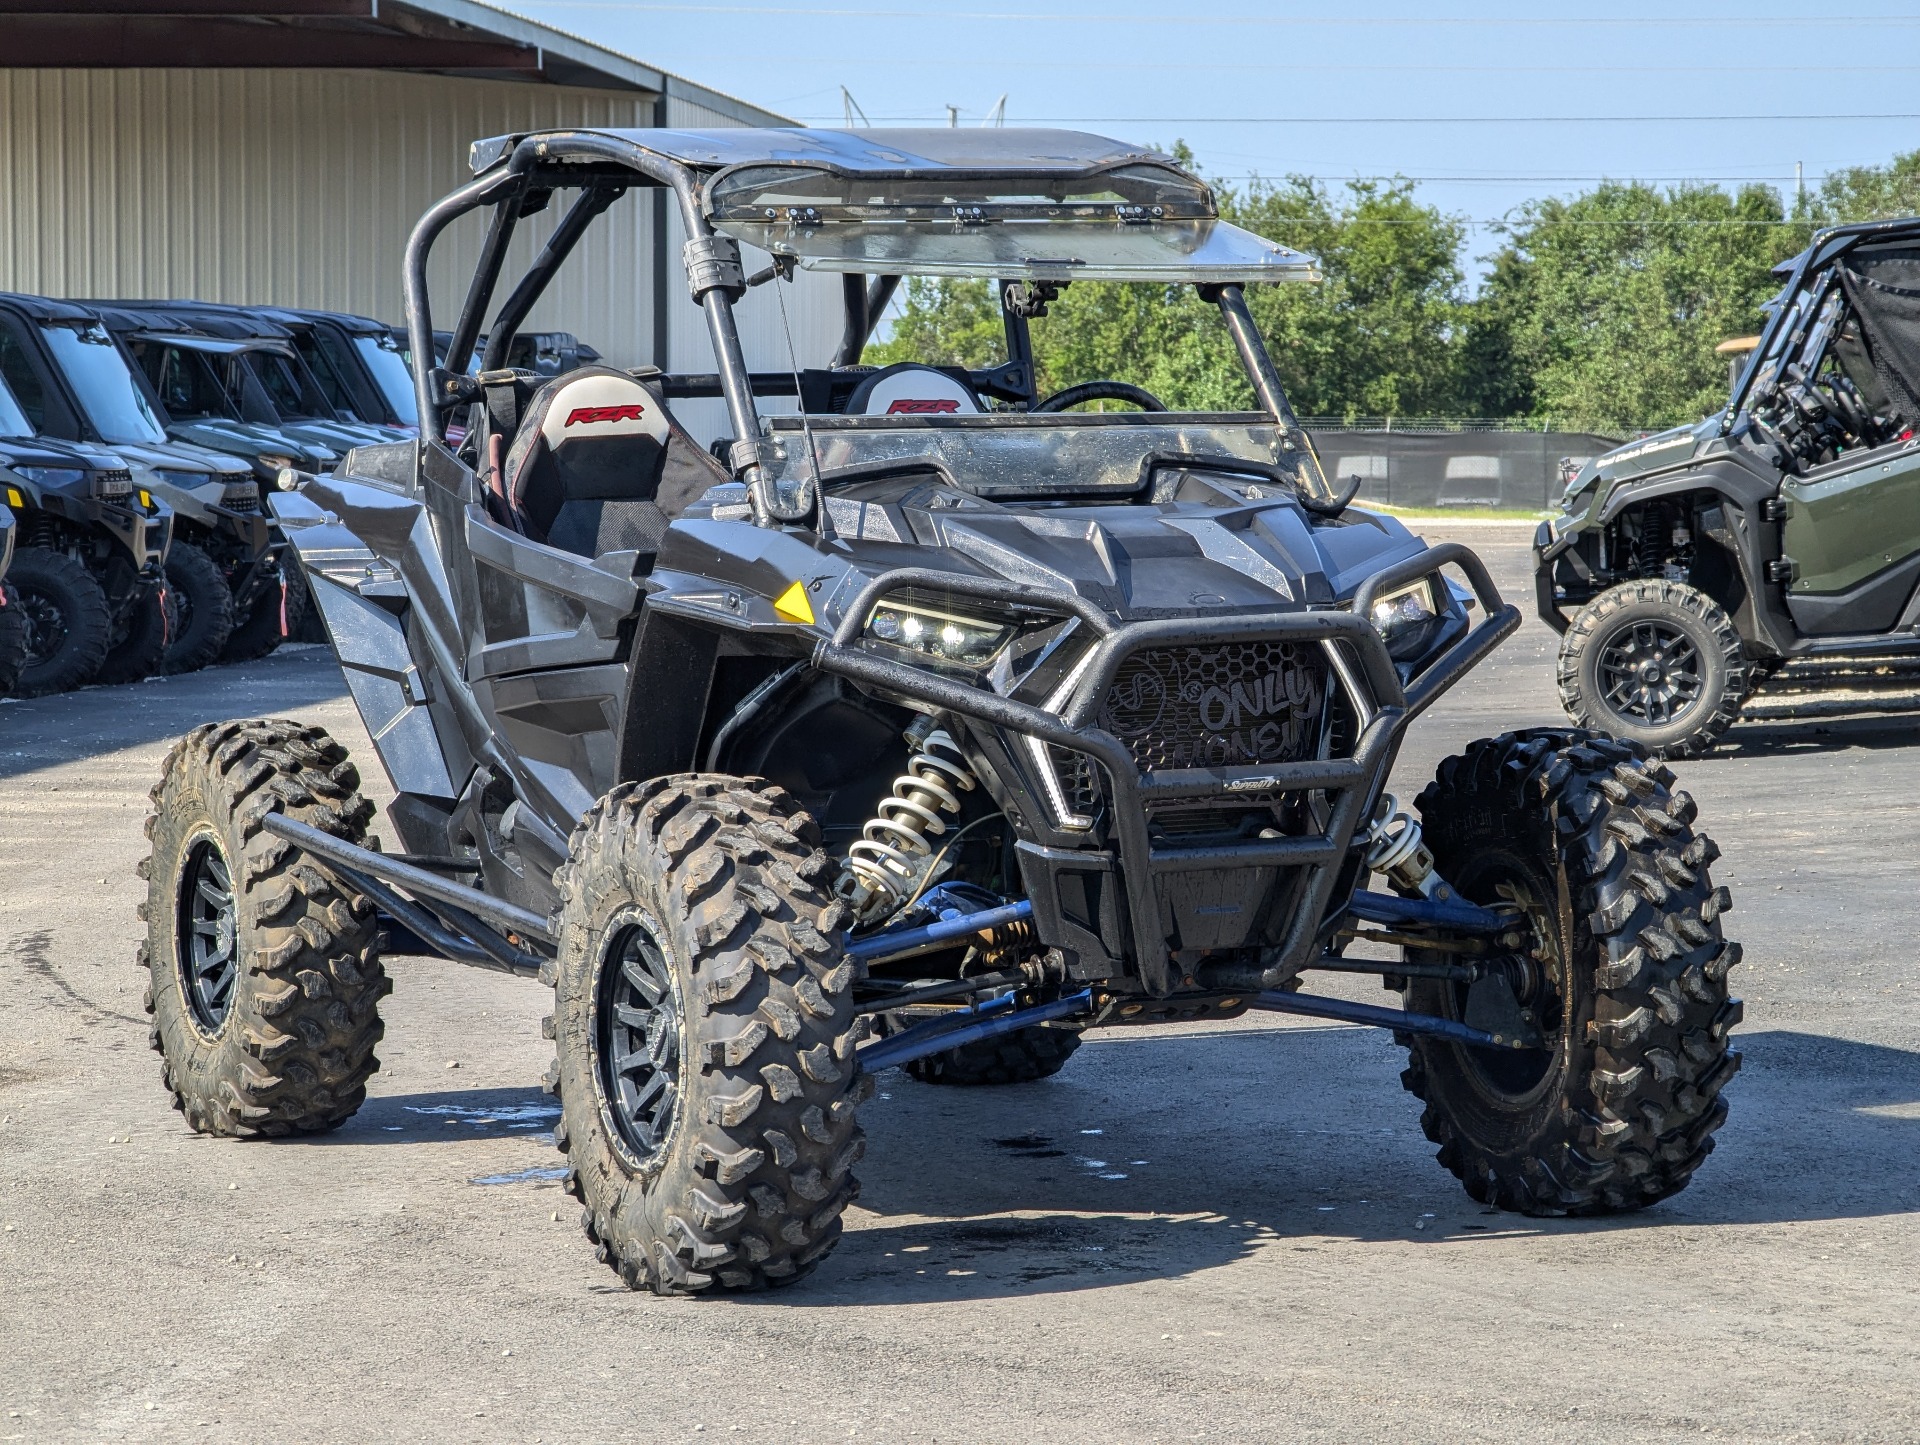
(849, 107)
(953, 117)
(1799, 187)
(998, 115)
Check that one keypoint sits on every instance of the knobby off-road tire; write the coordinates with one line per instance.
(13, 639)
(141, 644)
(259, 632)
(1016, 1058)
(705, 1031)
(199, 608)
(1657, 663)
(69, 622)
(1627, 983)
(277, 1035)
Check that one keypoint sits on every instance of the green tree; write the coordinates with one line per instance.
(1609, 305)
(1867, 193)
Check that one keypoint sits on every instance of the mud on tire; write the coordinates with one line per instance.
(264, 976)
(1599, 846)
(705, 1033)
(1016, 1058)
(1635, 626)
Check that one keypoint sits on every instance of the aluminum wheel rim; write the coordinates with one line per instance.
(208, 932)
(637, 1042)
(46, 626)
(1650, 672)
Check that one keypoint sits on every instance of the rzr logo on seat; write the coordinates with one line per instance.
(595, 415)
(908, 407)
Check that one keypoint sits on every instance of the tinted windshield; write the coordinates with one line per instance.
(382, 357)
(13, 421)
(187, 385)
(109, 393)
(282, 384)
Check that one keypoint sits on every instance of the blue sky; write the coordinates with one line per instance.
(1486, 104)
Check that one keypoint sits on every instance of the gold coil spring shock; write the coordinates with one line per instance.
(884, 866)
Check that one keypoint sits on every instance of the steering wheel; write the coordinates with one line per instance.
(1101, 391)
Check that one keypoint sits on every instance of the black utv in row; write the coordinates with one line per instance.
(929, 724)
(1773, 547)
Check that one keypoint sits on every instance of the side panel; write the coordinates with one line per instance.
(1846, 527)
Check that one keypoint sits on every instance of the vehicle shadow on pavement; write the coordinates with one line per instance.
(46, 732)
(1297, 1140)
(1825, 735)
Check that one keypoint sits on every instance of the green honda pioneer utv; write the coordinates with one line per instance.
(1767, 560)
(926, 722)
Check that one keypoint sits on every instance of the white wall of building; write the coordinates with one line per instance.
(298, 188)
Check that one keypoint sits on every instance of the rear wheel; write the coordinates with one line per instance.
(142, 644)
(1658, 663)
(13, 639)
(199, 609)
(1620, 976)
(263, 974)
(1015, 1058)
(68, 622)
(704, 1036)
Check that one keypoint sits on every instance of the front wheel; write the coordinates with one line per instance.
(142, 639)
(13, 639)
(1658, 663)
(1616, 969)
(704, 1036)
(69, 624)
(1020, 1057)
(199, 609)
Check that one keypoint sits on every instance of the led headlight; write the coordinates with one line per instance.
(937, 633)
(1406, 619)
(53, 476)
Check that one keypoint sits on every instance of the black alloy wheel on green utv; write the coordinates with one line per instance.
(140, 640)
(13, 638)
(263, 970)
(199, 609)
(69, 624)
(1621, 973)
(1016, 1058)
(1658, 663)
(704, 1034)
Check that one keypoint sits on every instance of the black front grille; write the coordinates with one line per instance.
(1219, 705)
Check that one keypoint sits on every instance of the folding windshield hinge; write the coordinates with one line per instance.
(1138, 215)
(1782, 570)
(713, 264)
(1773, 509)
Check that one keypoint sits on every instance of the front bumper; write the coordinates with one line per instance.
(1127, 872)
(1546, 552)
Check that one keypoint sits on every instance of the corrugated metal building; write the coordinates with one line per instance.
(277, 152)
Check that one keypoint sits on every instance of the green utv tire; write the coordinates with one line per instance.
(704, 1035)
(1623, 971)
(140, 641)
(69, 624)
(199, 609)
(1016, 1058)
(13, 638)
(1657, 663)
(264, 976)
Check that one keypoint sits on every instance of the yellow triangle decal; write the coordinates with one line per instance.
(793, 605)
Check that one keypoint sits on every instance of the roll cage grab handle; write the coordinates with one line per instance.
(436, 388)
(715, 286)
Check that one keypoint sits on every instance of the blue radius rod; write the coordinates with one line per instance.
(967, 1026)
(902, 942)
(1383, 1018)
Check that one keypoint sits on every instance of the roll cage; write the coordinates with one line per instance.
(1090, 186)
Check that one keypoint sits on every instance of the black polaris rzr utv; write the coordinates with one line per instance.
(90, 545)
(1766, 562)
(935, 715)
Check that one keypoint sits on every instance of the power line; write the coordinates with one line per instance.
(1185, 20)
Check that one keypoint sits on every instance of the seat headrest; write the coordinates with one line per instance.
(595, 406)
(910, 389)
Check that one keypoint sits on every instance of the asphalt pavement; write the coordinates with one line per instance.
(1224, 1233)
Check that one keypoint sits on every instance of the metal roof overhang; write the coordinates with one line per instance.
(441, 37)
